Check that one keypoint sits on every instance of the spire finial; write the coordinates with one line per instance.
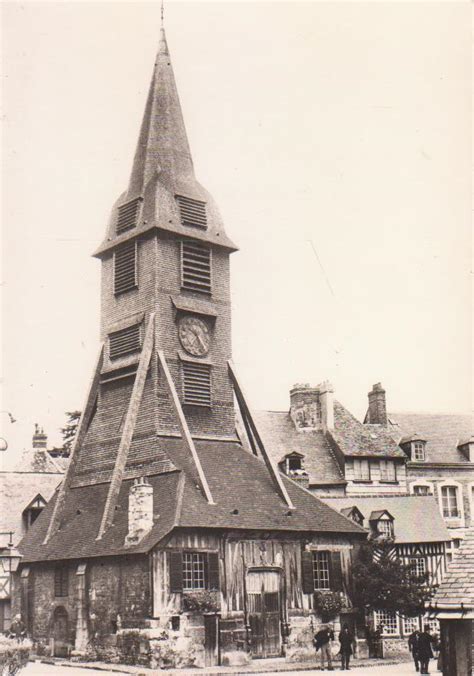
(162, 13)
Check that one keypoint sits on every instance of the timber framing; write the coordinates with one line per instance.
(87, 413)
(128, 429)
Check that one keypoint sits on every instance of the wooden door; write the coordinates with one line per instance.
(263, 605)
(60, 633)
(211, 639)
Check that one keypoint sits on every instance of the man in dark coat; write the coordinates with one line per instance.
(322, 641)
(345, 639)
(425, 653)
(413, 647)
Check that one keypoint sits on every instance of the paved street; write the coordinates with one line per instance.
(38, 669)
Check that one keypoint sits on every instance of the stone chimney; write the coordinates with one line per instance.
(140, 511)
(377, 413)
(40, 439)
(305, 407)
(327, 405)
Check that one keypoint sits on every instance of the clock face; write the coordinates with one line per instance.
(194, 336)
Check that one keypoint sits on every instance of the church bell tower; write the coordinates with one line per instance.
(163, 371)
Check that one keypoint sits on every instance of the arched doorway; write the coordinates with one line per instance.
(61, 645)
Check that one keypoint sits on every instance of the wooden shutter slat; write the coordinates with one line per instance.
(176, 572)
(335, 571)
(307, 572)
(213, 571)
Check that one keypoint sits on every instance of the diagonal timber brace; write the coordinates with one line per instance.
(184, 427)
(83, 426)
(128, 428)
(251, 427)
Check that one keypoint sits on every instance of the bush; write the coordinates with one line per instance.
(13, 655)
(201, 601)
(328, 604)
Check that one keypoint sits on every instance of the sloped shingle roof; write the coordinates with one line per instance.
(442, 432)
(238, 481)
(355, 439)
(458, 585)
(416, 517)
(281, 437)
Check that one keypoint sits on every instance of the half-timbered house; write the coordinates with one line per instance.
(167, 537)
(420, 537)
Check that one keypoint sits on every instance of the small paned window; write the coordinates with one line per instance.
(125, 341)
(361, 469)
(128, 215)
(61, 581)
(419, 565)
(196, 267)
(387, 470)
(196, 383)
(418, 450)
(449, 497)
(321, 570)
(294, 463)
(192, 212)
(193, 571)
(387, 621)
(125, 268)
(410, 624)
(385, 527)
(422, 490)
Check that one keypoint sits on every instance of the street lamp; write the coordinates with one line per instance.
(10, 555)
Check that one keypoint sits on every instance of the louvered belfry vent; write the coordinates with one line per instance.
(126, 341)
(192, 212)
(125, 268)
(128, 215)
(195, 267)
(197, 383)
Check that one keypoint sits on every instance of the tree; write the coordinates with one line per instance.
(69, 430)
(381, 581)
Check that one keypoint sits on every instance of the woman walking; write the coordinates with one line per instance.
(345, 639)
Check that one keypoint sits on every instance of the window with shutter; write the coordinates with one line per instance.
(196, 383)
(61, 581)
(125, 268)
(192, 212)
(196, 267)
(321, 566)
(126, 341)
(128, 215)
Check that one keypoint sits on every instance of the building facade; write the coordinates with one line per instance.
(154, 544)
(24, 492)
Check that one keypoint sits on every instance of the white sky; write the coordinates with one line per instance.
(336, 128)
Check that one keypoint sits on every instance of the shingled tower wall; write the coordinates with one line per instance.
(150, 224)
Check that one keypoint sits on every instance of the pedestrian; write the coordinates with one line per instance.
(413, 647)
(17, 628)
(322, 641)
(425, 652)
(346, 640)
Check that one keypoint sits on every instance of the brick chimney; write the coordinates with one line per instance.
(140, 511)
(377, 413)
(305, 407)
(327, 405)
(40, 439)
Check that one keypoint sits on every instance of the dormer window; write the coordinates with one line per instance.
(294, 463)
(381, 523)
(466, 446)
(418, 451)
(192, 212)
(33, 510)
(354, 514)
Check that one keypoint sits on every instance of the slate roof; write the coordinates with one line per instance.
(416, 517)
(442, 432)
(238, 481)
(281, 437)
(458, 585)
(355, 439)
